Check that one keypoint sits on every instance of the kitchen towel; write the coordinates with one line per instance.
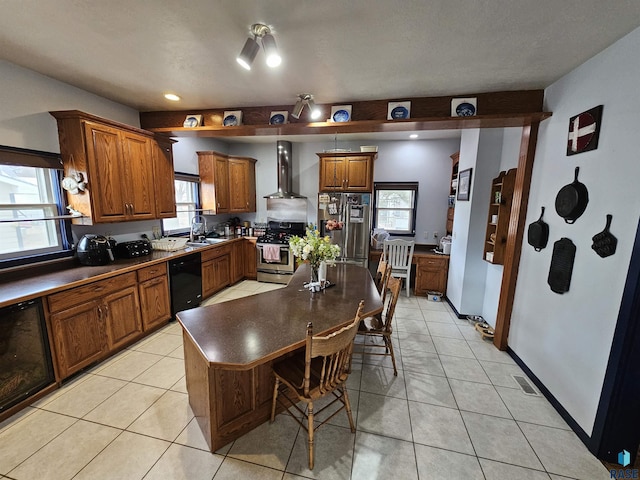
(271, 253)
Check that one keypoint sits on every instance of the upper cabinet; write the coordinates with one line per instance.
(164, 177)
(123, 168)
(227, 183)
(346, 172)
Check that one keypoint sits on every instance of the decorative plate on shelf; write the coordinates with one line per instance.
(398, 110)
(278, 118)
(465, 110)
(464, 107)
(341, 116)
(232, 118)
(192, 121)
(340, 113)
(230, 121)
(399, 113)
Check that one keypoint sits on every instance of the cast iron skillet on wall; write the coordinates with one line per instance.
(538, 233)
(572, 200)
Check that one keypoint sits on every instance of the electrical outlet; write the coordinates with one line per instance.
(426, 234)
(435, 234)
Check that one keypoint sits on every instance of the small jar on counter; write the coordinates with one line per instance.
(250, 231)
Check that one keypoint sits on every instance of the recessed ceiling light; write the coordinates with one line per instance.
(172, 96)
(413, 136)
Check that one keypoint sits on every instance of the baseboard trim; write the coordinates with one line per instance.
(586, 439)
(455, 310)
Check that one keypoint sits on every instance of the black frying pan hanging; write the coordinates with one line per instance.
(572, 200)
(564, 251)
(604, 243)
(538, 233)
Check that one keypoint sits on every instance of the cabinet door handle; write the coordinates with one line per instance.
(100, 314)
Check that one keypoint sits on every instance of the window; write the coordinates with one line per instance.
(395, 207)
(29, 194)
(187, 201)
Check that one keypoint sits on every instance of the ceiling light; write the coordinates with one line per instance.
(413, 135)
(306, 99)
(251, 47)
(172, 96)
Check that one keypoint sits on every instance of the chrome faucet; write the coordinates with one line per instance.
(198, 228)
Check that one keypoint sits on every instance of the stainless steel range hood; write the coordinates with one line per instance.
(284, 172)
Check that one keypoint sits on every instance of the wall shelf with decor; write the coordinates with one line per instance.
(452, 191)
(498, 217)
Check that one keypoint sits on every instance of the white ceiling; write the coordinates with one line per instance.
(132, 51)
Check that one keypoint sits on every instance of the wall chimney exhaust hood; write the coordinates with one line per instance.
(284, 172)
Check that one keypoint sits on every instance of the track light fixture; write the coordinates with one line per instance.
(251, 47)
(305, 99)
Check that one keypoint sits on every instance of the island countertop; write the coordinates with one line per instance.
(240, 334)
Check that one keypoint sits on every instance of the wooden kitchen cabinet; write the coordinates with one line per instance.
(122, 317)
(79, 338)
(499, 206)
(216, 269)
(90, 321)
(237, 261)
(346, 172)
(242, 185)
(153, 290)
(117, 161)
(164, 177)
(250, 259)
(431, 274)
(227, 183)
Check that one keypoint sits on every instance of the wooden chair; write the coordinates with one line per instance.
(382, 277)
(321, 369)
(375, 327)
(399, 253)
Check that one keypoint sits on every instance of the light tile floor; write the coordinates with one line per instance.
(453, 412)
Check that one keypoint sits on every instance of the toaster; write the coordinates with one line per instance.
(134, 248)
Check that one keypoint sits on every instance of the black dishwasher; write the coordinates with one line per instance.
(185, 281)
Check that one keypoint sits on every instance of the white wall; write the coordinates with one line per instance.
(185, 158)
(26, 98)
(565, 339)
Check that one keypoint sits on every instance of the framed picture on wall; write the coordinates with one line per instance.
(464, 184)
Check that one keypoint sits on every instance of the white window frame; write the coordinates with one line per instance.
(396, 186)
(183, 206)
(49, 206)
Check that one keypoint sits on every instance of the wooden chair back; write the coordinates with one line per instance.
(394, 286)
(334, 352)
(398, 253)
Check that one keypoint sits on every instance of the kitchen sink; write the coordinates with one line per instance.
(206, 242)
(215, 240)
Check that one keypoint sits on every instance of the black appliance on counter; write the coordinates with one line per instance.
(95, 250)
(25, 358)
(133, 249)
(185, 282)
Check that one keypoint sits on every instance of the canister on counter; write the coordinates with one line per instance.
(251, 231)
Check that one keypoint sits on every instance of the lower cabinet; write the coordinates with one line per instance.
(216, 270)
(250, 259)
(153, 289)
(431, 274)
(90, 321)
(237, 261)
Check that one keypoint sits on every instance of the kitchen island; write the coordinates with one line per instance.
(229, 347)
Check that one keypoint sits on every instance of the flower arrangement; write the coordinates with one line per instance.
(313, 248)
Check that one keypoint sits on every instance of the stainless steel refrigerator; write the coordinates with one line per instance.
(346, 219)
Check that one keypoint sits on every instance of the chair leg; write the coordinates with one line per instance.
(310, 428)
(408, 286)
(389, 344)
(273, 402)
(347, 407)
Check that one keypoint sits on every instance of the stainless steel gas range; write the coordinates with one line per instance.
(276, 263)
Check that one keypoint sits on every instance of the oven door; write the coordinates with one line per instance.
(284, 265)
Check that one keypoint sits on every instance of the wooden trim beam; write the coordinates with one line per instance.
(515, 234)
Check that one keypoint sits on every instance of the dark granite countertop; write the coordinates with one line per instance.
(31, 282)
(240, 334)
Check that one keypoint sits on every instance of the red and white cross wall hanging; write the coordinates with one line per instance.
(584, 130)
